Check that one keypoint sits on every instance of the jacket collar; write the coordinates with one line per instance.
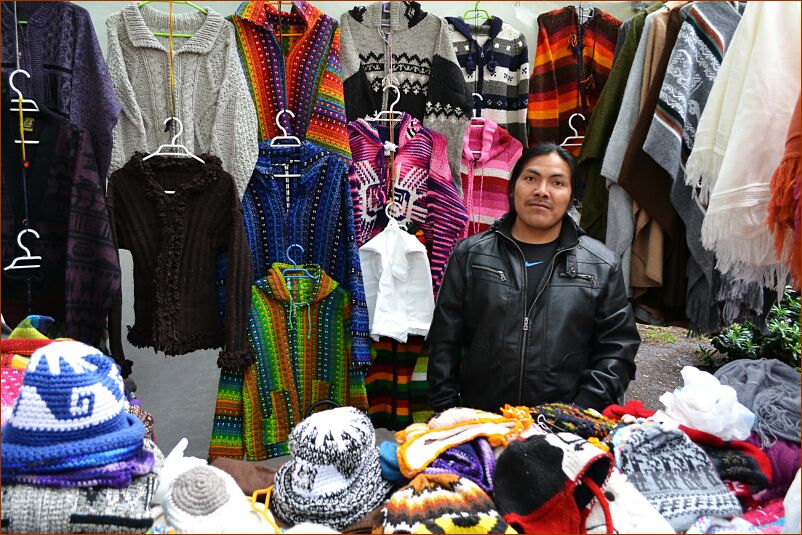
(409, 127)
(568, 238)
(261, 13)
(206, 27)
(403, 15)
(201, 175)
(271, 161)
(307, 292)
(488, 133)
(41, 15)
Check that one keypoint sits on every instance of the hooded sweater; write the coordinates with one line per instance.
(59, 49)
(422, 189)
(489, 153)
(495, 62)
(423, 64)
(300, 330)
(318, 216)
(572, 64)
(211, 97)
(306, 81)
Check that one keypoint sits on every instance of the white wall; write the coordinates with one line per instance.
(521, 14)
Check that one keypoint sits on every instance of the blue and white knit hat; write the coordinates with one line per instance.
(70, 413)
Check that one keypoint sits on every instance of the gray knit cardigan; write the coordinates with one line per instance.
(211, 96)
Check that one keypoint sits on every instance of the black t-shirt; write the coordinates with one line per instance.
(538, 259)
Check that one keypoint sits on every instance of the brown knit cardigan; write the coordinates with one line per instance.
(175, 240)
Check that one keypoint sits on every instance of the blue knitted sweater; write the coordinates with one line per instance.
(320, 218)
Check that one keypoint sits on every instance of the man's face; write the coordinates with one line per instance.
(543, 192)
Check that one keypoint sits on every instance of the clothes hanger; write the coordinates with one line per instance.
(186, 3)
(575, 140)
(389, 115)
(26, 261)
(477, 122)
(281, 33)
(284, 136)
(392, 219)
(21, 100)
(475, 13)
(584, 12)
(185, 153)
(296, 271)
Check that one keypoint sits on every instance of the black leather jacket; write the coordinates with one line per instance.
(577, 343)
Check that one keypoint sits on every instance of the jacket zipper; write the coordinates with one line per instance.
(528, 312)
(582, 276)
(498, 272)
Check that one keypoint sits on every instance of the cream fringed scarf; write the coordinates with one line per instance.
(741, 137)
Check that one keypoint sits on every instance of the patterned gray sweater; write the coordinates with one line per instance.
(423, 64)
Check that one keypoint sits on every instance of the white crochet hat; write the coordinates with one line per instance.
(205, 499)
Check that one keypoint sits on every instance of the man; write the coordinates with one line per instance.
(532, 310)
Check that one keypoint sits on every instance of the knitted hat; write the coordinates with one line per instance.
(544, 483)
(474, 460)
(675, 475)
(630, 511)
(571, 418)
(70, 413)
(205, 499)
(441, 503)
(334, 477)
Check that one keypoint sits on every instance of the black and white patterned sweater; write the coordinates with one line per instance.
(423, 64)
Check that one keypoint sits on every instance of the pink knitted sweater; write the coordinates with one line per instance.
(489, 153)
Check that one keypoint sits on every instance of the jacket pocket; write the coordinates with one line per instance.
(278, 426)
(479, 271)
(580, 278)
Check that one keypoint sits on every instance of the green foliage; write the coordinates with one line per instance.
(780, 341)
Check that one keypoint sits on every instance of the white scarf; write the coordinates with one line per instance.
(741, 137)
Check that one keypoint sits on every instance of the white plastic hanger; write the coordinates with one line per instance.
(575, 140)
(183, 150)
(392, 219)
(390, 115)
(26, 261)
(284, 136)
(15, 102)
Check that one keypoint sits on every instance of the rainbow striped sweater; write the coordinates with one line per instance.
(564, 82)
(300, 331)
(303, 74)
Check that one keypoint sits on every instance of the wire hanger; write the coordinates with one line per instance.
(26, 261)
(475, 13)
(190, 4)
(296, 271)
(184, 151)
(575, 140)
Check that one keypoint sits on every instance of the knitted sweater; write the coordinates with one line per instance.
(702, 41)
(423, 64)
(488, 155)
(600, 127)
(59, 49)
(211, 96)
(174, 240)
(572, 64)
(423, 191)
(80, 270)
(301, 333)
(320, 219)
(307, 80)
(495, 62)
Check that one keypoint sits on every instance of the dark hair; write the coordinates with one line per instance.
(541, 149)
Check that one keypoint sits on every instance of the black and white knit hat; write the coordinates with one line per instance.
(334, 477)
(676, 476)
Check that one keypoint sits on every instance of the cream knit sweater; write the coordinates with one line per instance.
(211, 96)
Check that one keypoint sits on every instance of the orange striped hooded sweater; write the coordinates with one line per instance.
(561, 84)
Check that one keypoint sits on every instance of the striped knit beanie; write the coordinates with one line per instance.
(441, 503)
(70, 413)
(334, 477)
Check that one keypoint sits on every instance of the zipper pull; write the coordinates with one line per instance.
(503, 276)
(526, 324)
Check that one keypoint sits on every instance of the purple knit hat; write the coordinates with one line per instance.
(473, 460)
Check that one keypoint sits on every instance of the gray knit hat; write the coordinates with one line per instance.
(334, 477)
(676, 476)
